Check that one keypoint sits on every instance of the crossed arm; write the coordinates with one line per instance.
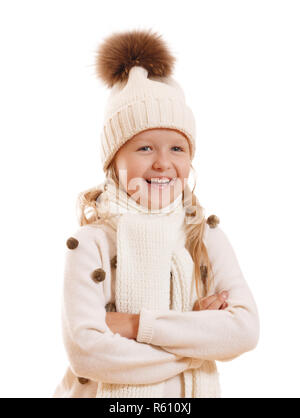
(127, 324)
(217, 332)
(108, 346)
(93, 350)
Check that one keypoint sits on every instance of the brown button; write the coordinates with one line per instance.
(98, 275)
(110, 307)
(190, 212)
(212, 221)
(113, 262)
(171, 275)
(72, 243)
(83, 380)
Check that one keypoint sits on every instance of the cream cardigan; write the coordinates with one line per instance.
(168, 342)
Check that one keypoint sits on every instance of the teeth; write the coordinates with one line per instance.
(160, 181)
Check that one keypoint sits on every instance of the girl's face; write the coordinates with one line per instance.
(154, 154)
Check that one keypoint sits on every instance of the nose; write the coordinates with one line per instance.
(162, 162)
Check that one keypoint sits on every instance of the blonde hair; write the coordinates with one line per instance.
(194, 228)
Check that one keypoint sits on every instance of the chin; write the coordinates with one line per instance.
(157, 200)
(159, 204)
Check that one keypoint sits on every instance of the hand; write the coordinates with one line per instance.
(216, 302)
(125, 324)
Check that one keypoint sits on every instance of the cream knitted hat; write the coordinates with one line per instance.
(137, 66)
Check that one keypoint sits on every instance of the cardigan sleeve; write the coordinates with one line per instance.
(209, 334)
(93, 350)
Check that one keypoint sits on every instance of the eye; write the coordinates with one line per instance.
(147, 146)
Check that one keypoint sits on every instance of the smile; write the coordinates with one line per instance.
(161, 183)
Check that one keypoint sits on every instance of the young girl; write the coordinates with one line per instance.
(153, 292)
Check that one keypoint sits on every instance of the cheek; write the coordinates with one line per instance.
(126, 166)
(184, 170)
(131, 176)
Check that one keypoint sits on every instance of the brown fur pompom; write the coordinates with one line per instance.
(121, 51)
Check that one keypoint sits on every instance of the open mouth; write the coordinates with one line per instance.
(160, 183)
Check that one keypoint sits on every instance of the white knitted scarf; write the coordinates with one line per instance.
(151, 245)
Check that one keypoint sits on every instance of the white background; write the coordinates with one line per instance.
(238, 63)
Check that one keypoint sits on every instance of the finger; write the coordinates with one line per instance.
(196, 306)
(221, 297)
(224, 306)
(225, 294)
(205, 302)
(217, 303)
(208, 300)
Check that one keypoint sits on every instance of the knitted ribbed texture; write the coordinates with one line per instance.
(143, 270)
(206, 382)
(144, 104)
(109, 390)
(149, 247)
